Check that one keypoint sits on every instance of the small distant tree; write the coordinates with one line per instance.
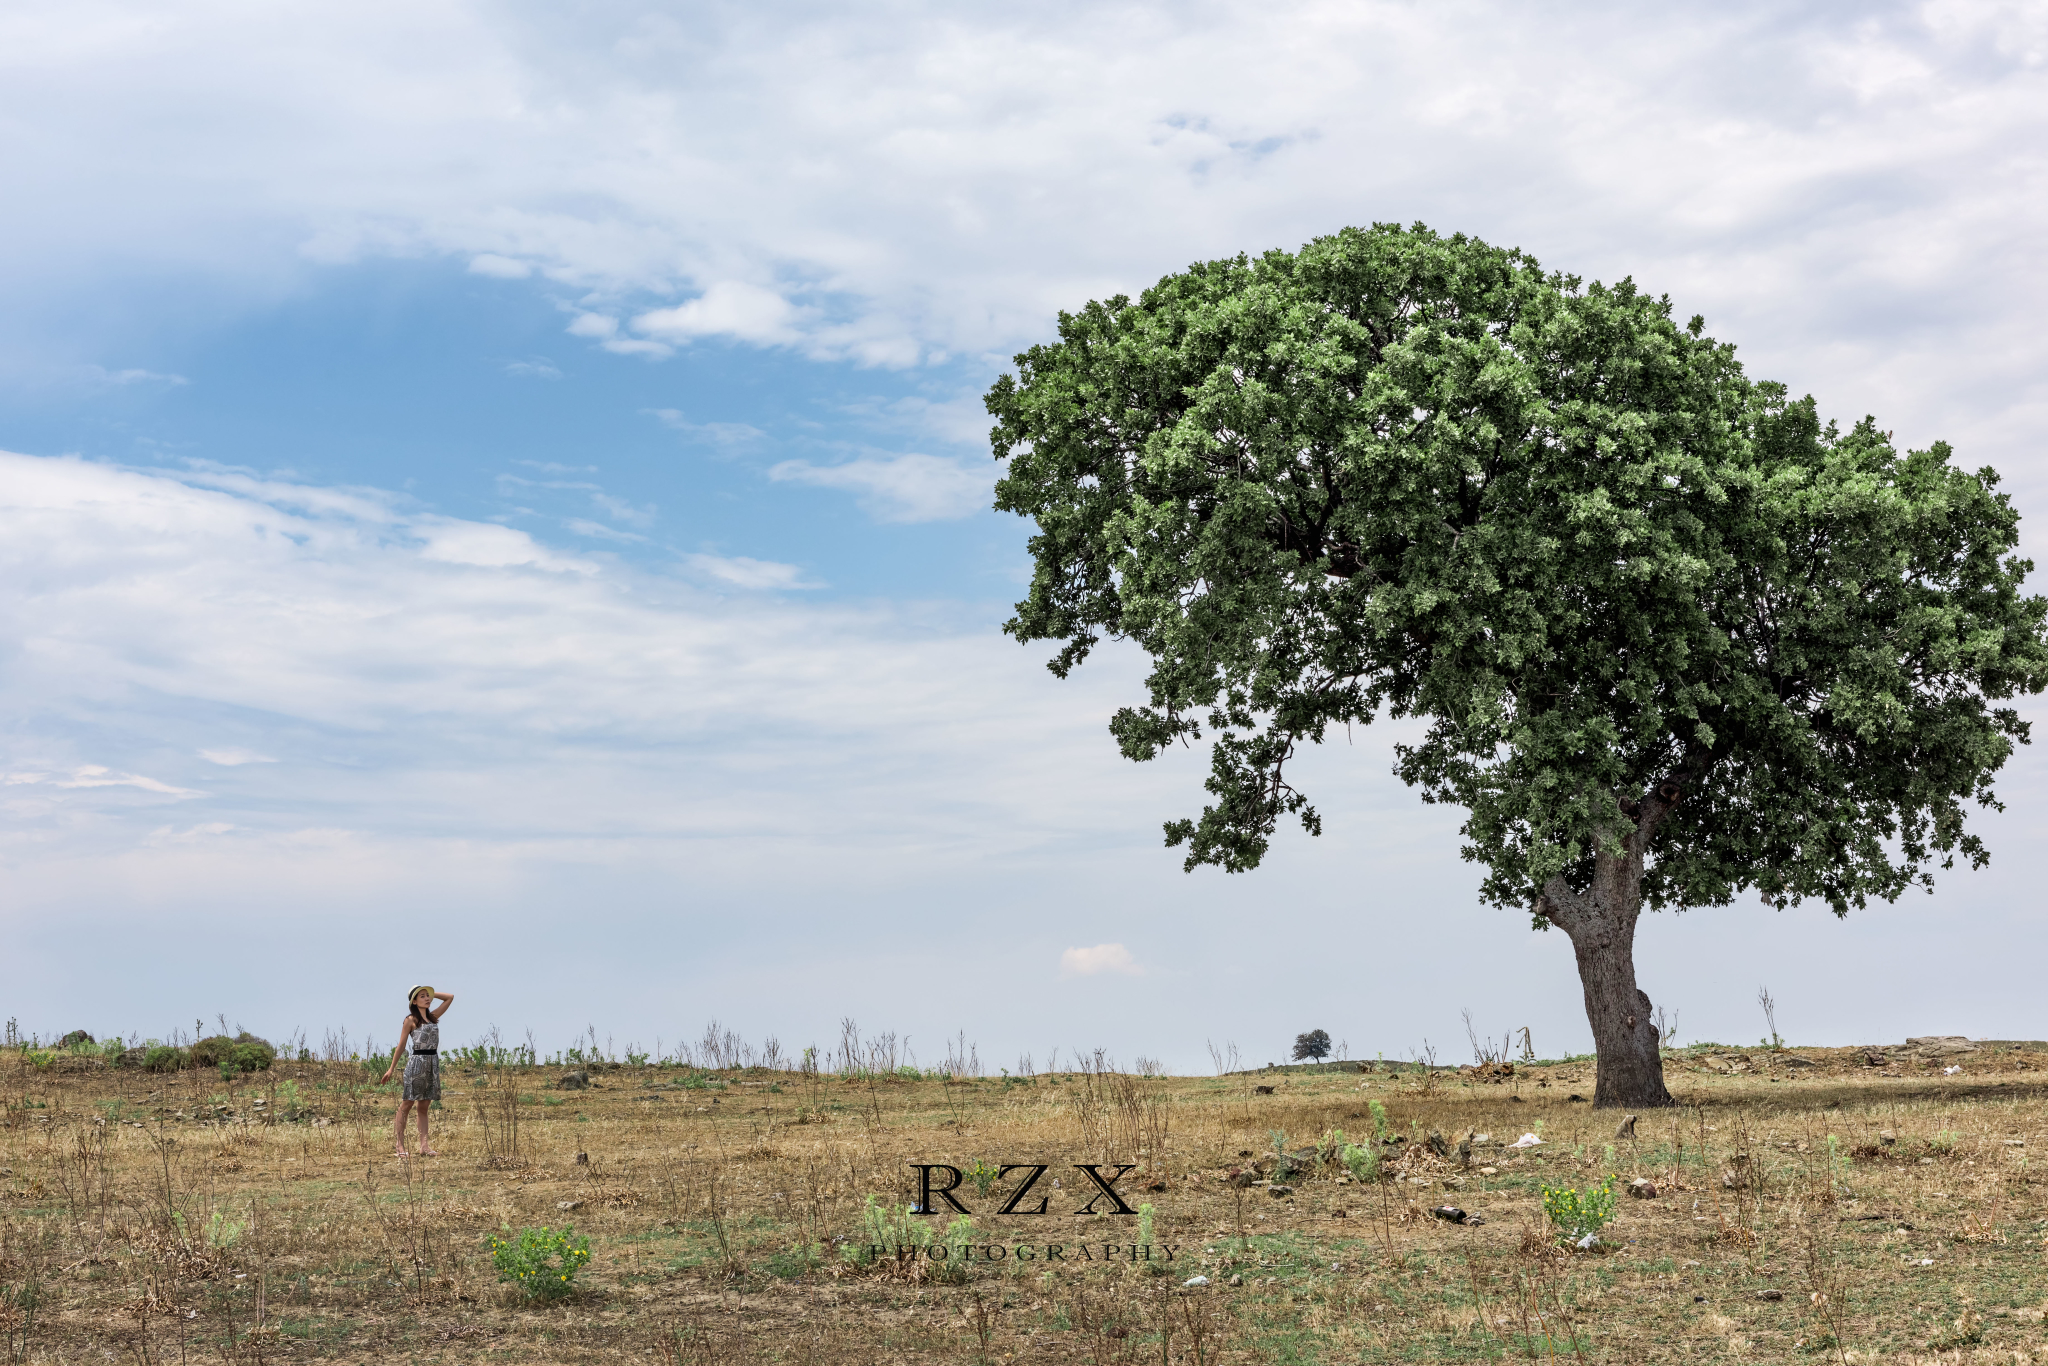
(1665, 635)
(1314, 1045)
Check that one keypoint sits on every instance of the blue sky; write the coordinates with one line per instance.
(499, 496)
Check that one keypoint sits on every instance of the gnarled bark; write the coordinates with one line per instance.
(1601, 921)
(1629, 1067)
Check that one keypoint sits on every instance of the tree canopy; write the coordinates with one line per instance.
(1627, 589)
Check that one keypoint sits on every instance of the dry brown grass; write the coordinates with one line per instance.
(699, 1201)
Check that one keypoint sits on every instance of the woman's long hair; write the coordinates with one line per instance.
(412, 1007)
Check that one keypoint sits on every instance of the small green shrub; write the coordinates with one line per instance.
(541, 1262)
(164, 1058)
(1153, 1267)
(1577, 1214)
(983, 1175)
(252, 1055)
(1362, 1161)
(212, 1051)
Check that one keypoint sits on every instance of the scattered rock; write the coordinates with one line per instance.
(1243, 1179)
(1575, 1096)
(1730, 1181)
(1435, 1143)
(1450, 1214)
(2015, 1143)
(74, 1038)
(1642, 1188)
(1237, 1280)
(1489, 1171)
(583, 1159)
(566, 1205)
(1874, 1060)
(1340, 1214)
(1262, 1090)
(1794, 1060)
(1279, 1190)
(1926, 1162)
(578, 1080)
(1771, 1295)
(1887, 1137)
(1939, 1045)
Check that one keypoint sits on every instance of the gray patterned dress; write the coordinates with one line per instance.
(422, 1063)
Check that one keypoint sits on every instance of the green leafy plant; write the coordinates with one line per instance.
(983, 1175)
(1379, 1120)
(1579, 1214)
(542, 1262)
(1153, 1266)
(1362, 1161)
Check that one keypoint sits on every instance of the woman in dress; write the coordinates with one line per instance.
(422, 1029)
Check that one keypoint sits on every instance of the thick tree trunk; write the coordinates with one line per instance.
(1629, 1071)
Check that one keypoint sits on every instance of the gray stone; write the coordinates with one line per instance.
(579, 1080)
(1939, 1045)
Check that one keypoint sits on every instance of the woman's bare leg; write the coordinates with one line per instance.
(398, 1126)
(423, 1106)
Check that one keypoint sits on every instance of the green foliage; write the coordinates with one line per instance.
(221, 1232)
(1379, 1121)
(542, 1262)
(1403, 473)
(1362, 1161)
(212, 1051)
(890, 1228)
(1575, 1213)
(1153, 1267)
(163, 1058)
(251, 1054)
(983, 1175)
(493, 1055)
(291, 1102)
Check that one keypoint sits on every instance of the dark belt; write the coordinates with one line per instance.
(425, 1052)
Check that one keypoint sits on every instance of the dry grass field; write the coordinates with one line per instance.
(1810, 1205)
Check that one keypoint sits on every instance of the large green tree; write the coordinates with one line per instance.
(1670, 637)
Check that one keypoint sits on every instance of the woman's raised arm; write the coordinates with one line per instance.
(446, 998)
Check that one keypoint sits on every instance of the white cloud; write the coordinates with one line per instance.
(596, 325)
(901, 488)
(499, 267)
(724, 434)
(623, 510)
(234, 758)
(1852, 193)
(99, 375)
(539, 367)
(741, 572)
(1101, 958)
(495, 547)
(98, 775)
(583, 526)
(727, 309)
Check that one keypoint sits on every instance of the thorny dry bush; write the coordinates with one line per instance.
(1823, 1214)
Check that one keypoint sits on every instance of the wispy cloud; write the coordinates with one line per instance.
(1098, 959)
(499, 267)
(598, 530)
(901, 488)
(536, 367)
(724, 434)
(234, 758)
(742, 572)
